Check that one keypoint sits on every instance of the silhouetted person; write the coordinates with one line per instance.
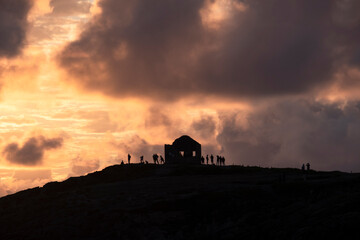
(202, 160)
(129, 158)
(212, 159)
(142, 159)
(155, 158)
(146, 162)
(162, 159)
(122, 162)
(303, 168)
(207, 159)
(223, 160)
(308, 166)
(217, 160)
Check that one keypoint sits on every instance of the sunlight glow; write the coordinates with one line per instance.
(215, 13)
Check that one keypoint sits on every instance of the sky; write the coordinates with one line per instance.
(266, 83)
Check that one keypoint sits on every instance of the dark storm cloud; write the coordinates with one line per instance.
(295, 132)
(163, 49)
(32, 151)
(13, 24)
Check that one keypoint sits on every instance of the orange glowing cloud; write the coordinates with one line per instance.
(215, 13)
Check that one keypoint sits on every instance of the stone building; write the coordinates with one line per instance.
(184, 150)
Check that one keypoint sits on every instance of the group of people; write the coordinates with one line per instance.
(155, 159)
(307, 167)
(220, 160)
(158, 159)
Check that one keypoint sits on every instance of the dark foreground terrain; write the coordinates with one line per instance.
(202, 202)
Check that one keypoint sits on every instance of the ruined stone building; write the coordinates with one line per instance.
(184, 150)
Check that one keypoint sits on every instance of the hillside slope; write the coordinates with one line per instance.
(172, 202)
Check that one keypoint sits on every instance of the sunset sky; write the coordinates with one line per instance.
(263, 82)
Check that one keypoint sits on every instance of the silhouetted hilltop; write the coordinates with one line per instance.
(187, 202)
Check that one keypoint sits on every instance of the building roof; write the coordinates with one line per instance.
(185, 140)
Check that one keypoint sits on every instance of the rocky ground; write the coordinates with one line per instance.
(179, 202)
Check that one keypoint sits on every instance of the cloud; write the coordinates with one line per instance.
(290, 133)
(157, 116)
(205, 127)
(99, 121)
(171, 49)
(41, 174)
(18, 120)
(80, 166)
(32, 151)
(13, 25)
(16, 180)
(70, 7)
(137, 146)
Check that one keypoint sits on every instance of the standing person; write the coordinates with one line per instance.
(155, 158)
(223, 160)
(207, 159)
(129, 157)
(303, 171)
(212, 159)
(141, 159)
(217, 160)
(308, 166)
(162, 159)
